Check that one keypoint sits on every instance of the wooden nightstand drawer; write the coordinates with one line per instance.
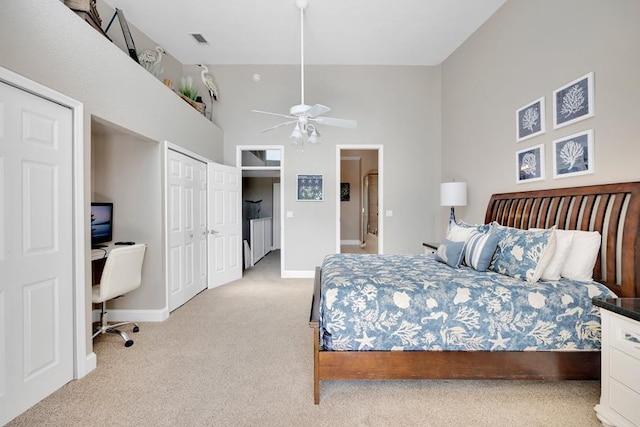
(625, 369)
(625, 402)
(625, 335)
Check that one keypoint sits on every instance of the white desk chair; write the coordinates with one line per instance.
(122, 273)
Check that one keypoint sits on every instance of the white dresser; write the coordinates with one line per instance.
(620, 396)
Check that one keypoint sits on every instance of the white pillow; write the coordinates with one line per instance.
(460, 234)
(553, 271)
(581, 259)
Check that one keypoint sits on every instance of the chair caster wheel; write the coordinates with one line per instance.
(128, 343)
(136, 329)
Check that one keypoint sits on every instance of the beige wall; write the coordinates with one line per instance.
(397, 107)
(47, 43)
(525, 51)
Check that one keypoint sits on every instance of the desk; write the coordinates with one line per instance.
(98, 254)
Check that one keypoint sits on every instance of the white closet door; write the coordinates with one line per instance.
(186, 216)
(36, 276)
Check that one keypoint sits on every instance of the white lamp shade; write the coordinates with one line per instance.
(453, 194)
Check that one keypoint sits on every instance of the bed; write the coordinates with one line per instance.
(611, 209)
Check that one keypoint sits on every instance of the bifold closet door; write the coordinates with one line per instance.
(187, 227)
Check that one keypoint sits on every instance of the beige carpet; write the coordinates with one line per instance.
(241, 355)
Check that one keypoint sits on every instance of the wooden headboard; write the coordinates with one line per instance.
(611, 209)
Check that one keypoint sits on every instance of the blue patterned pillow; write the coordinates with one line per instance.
(479, 250)
(523, 254)
(450, 253)
(483, 228)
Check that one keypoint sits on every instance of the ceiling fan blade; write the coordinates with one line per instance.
(330, 121)
(280, 125)
(317, 110)
(288, 116)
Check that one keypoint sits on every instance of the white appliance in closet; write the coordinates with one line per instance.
(260, 238)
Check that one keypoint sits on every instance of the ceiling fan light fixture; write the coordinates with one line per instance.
(314, 137)
(296, 134)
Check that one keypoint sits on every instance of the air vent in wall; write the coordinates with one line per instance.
(199, 38)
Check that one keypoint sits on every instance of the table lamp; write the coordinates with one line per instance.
(453, 194)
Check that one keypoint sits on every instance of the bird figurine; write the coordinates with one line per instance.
(151, 56)
(208, 81)
(150, 60)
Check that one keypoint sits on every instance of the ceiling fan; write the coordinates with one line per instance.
(306, 116)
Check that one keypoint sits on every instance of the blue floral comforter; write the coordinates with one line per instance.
(413, 302)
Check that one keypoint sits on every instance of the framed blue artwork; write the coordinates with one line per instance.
(573, 102)
(310, 188)
(530, 120)
(573, 155)
(530, 164)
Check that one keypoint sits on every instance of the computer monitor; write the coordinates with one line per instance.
(101, 224)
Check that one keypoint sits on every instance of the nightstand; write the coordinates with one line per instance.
(430, 248)
(620, 395)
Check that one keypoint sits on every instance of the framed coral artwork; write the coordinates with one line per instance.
(530, 164)
(530, 120)
(573, 155)
(573, 102)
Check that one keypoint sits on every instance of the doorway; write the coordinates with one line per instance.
(262, 201)
(359, 223)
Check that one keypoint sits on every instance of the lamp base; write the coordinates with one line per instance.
(452, 219)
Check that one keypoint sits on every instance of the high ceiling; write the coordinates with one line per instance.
(350, 32)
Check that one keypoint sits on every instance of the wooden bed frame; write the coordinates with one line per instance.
(611, 209)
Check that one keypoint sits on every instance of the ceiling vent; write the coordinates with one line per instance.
(199, 38)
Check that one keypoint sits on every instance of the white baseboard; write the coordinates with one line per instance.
(116, 315)
(298, 274)
(350, 242)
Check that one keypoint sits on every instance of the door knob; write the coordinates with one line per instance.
(214, 232)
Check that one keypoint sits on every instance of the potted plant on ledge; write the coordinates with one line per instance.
(189, 93)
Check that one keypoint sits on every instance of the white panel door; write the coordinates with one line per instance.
(186, 219)
(36, 264)
(225, 225)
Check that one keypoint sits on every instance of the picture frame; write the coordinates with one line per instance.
(345, 191)
(530, 165)
(573, 101)
(530, 120)
(573, 155)
(126, 33)
(310, 188)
